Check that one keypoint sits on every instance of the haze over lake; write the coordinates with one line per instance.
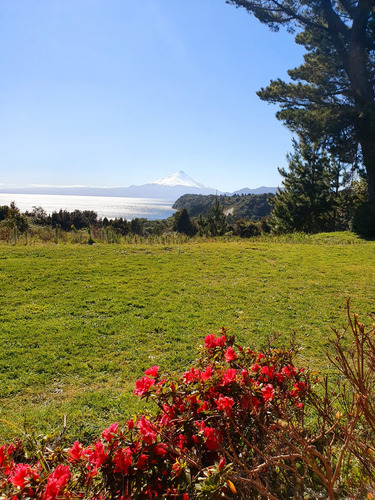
(105, 206)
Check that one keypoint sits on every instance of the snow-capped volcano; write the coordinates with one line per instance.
(178, 179)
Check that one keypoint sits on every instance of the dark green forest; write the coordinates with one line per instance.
(236, 207)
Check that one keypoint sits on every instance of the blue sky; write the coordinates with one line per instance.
(121, 92)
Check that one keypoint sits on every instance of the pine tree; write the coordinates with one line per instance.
(182, 223)
(215, 224)
(216, 219)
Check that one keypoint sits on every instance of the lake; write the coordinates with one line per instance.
(104, 206)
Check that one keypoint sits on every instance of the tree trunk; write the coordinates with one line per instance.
(366, 136)
(351, 45)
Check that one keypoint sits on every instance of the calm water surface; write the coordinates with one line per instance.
(104, 206)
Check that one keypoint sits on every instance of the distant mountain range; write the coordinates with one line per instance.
(167, 188)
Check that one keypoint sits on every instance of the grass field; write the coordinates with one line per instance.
(80, 323)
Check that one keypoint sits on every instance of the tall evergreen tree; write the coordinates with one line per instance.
(306, 201)
(216, 219)
(182, 223)
(215, 224)
(332, 94)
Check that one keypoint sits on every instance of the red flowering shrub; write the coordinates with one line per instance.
(211, 418)
(232, 426)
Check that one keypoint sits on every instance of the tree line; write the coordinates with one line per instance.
(214, 223)
(316, 195)
(13, 221)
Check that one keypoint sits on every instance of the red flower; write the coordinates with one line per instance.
(268, 371)
(5, 463)
(280, 378)
(57, 482)
(130, 424)
(289, 371)
(299, 389)
(230, 355)
(147, 430)
(229, 376)
(3, 456)
(207, 373)
(268, 392)
(143, 385)
(248, 402)
(76, 452)
(169, 411)
(181, 441)
(212, 441)
(123, 460)
(194, 398)
(153, 371)
(202, 407)
(220, 341)
(224, 403)
(221, 464)
(21, 475)
(161, 449)
(210, 342)
(192, 375)
(111, 432)
(142, 461)
(98, 456)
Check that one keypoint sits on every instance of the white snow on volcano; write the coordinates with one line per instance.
(178, 179)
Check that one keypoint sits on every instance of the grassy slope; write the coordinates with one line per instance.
(78, 324)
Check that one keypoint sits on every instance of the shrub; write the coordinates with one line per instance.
(246, 228)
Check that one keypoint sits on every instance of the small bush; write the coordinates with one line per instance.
(246, 228)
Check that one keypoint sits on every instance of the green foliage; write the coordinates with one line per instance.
(120, 225)
(251, 206)
(215, 224)
(348, 201)
(255, 207)
(4, 209)
(157, 227)
(195, 204)
(216, 219)
(78, 219)
(39, 217)
(13, 224)
(182, 223)
(246, 228)
(137, 226)
(306, 201)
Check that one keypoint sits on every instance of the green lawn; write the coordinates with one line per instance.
(80, 323)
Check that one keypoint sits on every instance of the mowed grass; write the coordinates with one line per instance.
(79, 324)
